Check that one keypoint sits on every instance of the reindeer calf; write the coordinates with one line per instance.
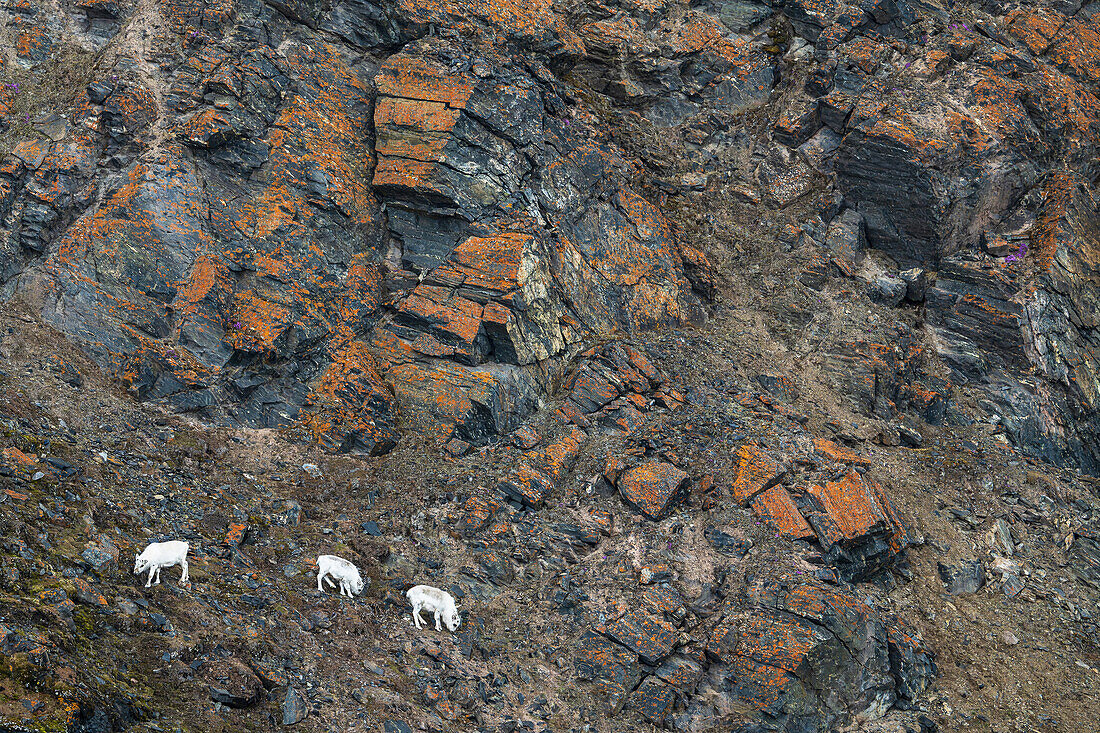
(331, 566)
(160, 555)
(439, 602)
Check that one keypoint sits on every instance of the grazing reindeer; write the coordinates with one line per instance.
(160, 555)
(439, 602)
(331, 566)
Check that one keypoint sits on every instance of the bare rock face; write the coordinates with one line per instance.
(319, 247)
(979, 145)
(354, 221)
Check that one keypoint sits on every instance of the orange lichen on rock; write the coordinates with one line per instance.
(858, 507)
(776, 641)
(830, 450)
(1051, 229)
(1076, 48)
(524, 20)
(756, 471)
(556, 457)
(653, 488)
(652, 638)
(351, 405)
(418, 104)
(494, 265)
(256, 323)
(527, 486)
(776, 506)
(1036, 27)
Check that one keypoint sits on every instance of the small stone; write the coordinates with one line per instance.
(1012, 585)
(1009, 638)
(910, 436)
(295, 707)
(371, 528)
(653, 488)
(456, 448)
(888, 290)
(312, 470)
(968, 577)
(1000, 537)
(916, 284)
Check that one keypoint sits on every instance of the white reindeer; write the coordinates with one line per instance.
(439, 602)
(160, 555)
(331, 566)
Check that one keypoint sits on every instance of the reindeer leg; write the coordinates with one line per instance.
(157, 581)
(150, 580)
(416, 615)
(184, 578)
(319, 588)
(437, 619)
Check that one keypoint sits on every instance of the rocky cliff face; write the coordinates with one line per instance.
(356, 219)
(688, 325)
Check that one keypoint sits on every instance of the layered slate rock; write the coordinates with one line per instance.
(756, 471)
(779, 508)
(968, 166)
(497, 292)
(801, 657)
(527, 486)
(653, 488)
(613, 667)
(650, 637)
(246, 272)
(856, 524)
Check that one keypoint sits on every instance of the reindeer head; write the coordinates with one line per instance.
(357, 586)
(141, 564)
(452, 619)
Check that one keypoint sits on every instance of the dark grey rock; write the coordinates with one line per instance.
(888, 290)
(966, 578)
(295, 707)
(916, 284)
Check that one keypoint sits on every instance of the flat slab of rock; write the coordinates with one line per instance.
(653, 699)
(527, 486)
(612, 666)
(650, 637)
(777, 506)
(653, 488)
(232, 683)
(857, 526)
(966, 578)
(756, 471)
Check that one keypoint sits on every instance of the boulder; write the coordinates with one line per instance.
(963, 579)
(653, 488)
(756, 471)
(232, 683)
(651, 638)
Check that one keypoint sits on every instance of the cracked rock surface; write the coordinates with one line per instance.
(734, 364)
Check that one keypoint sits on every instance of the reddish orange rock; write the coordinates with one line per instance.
(850, 505)
(653, 488)
(476, 514)
(527, 486)
(778, 642)
(640, 632)
(776, 505)
(838, 453)
(235, 535)
(557, 456)
(756, 471)
(858, 527)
